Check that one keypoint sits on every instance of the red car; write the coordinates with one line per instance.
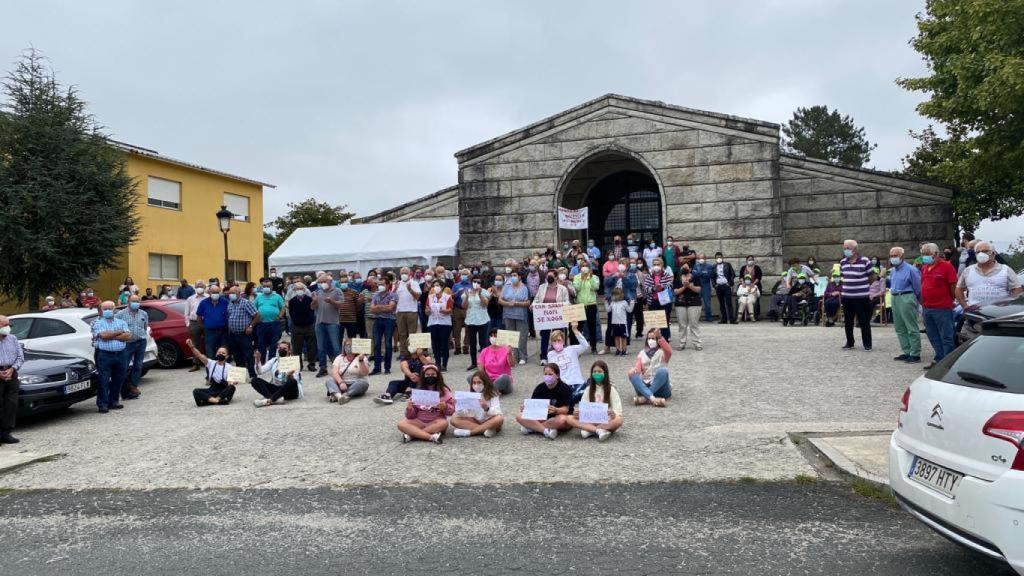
(167, 323)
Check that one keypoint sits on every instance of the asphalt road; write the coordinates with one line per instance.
(661, 528)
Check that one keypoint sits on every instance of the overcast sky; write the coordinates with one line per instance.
(365, 103)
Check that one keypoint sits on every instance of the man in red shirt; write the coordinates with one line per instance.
(938, 283)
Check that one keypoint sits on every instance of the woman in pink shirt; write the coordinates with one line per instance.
(497, 362)
(428, 423)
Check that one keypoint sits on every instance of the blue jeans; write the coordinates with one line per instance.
(383, 340)
(705, 299)
(111, 369)
(938, 323)
(134, 354)
(328, 343)
(268, 334)
(659, 388)
(240, 346)
(215, 338)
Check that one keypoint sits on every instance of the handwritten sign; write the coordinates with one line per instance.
(593, 412)
(508, 338)
(288, 364)
(569, 219)
(425, 398)
(362, 346)
(655, 319)
(535, 409)
(574, 313)
(238, 374)
(548, 316)
(469, 403)
(665, 297)
(419, 340)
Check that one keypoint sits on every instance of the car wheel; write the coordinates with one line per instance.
(167, 354)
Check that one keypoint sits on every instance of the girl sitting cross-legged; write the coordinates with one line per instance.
(468, 424)
(428, 423)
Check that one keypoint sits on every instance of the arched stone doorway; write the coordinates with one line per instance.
(623, 196)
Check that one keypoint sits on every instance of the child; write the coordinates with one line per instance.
(428, 423)
(747, 294)
(410, 366)
(466, 424)
(599, 389)
(560, 396)
(618, 309)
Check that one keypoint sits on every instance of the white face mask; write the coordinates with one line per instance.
(325, 286)
(5, 331)
(381, 288)
(700, 261)
(508, 270)
(476, 285)
(982, 257)
(656, 269)
(478, 387)
(494, 341)
(622, 268)
(750, 262)
(428, 278)
(651, 342)
(437, 289)
(200, 290)
(719, 260)
(561, 276)
(405, 277)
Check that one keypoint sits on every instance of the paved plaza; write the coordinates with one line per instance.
(732, 407)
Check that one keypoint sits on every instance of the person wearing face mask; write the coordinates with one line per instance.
(938, 288)
(560, 404)
(703, 271)
(687, 292)
(109, 335)
(905, 287)
(575, 252)
(515, 303)
(586, 286)
(406, 320)
(552, 292)
(658, 286)
(274, 385)
(599, 389)
(497, 362)
(798, 301)
(670, 254)
(474, 303)
(567, 357)
(439, 322)
(184, 290)
(494, 309)
(986, 281)
(488, 421)
(856, 271)
(242, 319)
(219, 391)
(383, 306)
(325, 302)
(750, 268)
(747, 296)
(195, 327)
(348, 310)
(303, 321)
(459, 332)
(271, 308)
(832, 299)
(11, 359)
(624, 279)
(134, 354)
(146, 297)
(348, 376)
(428, 423)
(212, 314)
(649, 375)
(593, 252)
(89, 299)
(651, 252)
(724, 277)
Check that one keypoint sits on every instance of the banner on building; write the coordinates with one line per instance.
(569, 219)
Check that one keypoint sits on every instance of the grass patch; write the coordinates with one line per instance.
(873, 491)
(805, 479)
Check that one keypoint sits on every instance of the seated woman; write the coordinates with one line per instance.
(559, 396)
(497, 362)
(568, 360)
(428, 423)
(467, 424)
(219, 391)
(411, 367)
(278, 386)
(599, 389)
(348, 376)
(833, 299)
(649, 376)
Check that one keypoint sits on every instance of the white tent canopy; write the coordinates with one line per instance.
(365, 246)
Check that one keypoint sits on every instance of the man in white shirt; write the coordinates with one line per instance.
(987, 280)
(195, 328)
(408, 292)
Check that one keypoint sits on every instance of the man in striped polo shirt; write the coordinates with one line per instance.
(855, 270)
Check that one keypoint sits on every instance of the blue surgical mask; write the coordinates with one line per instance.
(343, 285)
(847, 252)
(266, 290)
(232, 297)
(928, 259)
(215, 296)
(108, 314)
(499, 282)
(895, 260)
(134, 305)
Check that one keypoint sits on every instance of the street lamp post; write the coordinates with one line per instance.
(224, 217)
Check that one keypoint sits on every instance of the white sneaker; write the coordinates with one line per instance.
(603, 435)
(490, 433)
(280, 400)
(586, 433)
(332, 398)
(436, 438)
(261, 402)
(550, 433)
(344, 398)
(460, 433)
(526, 431)
(522, 362)
(406, 438)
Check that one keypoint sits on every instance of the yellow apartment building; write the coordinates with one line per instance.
(179, 234)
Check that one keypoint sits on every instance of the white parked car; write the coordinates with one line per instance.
(67, 331)
(956, 460)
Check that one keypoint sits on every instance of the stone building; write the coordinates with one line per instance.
(718, 181)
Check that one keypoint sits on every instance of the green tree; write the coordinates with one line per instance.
(305, 214)
(974, 50)
(816, 132)
(67, 204)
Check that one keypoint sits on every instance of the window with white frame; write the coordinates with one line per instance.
(163, 193)
(164, 266)
(238, 205)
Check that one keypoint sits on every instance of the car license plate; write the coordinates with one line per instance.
(77, 387)
(936, 477)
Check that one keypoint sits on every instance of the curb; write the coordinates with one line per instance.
(838, 460)
(12, 461)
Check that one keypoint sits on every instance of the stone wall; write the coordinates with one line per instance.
(824, 204)
(443, 204)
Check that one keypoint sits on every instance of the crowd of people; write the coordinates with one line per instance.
(236, 326)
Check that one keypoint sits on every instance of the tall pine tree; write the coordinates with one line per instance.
(816, 132)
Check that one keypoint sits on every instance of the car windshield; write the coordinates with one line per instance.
(992, 362)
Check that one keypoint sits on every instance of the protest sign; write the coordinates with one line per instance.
(288, 364)
(574, 313)
(593, 412)
(535, 409)
(469, 403)
(548, 316)
(655, 319)
(425, 398)
(419, 340)
(665, 297)
(569, 219)
(362, 346)
(238, 374)
(508, 338)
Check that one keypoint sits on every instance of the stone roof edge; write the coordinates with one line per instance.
(568, 115)
(867, 174)
(431, 196)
